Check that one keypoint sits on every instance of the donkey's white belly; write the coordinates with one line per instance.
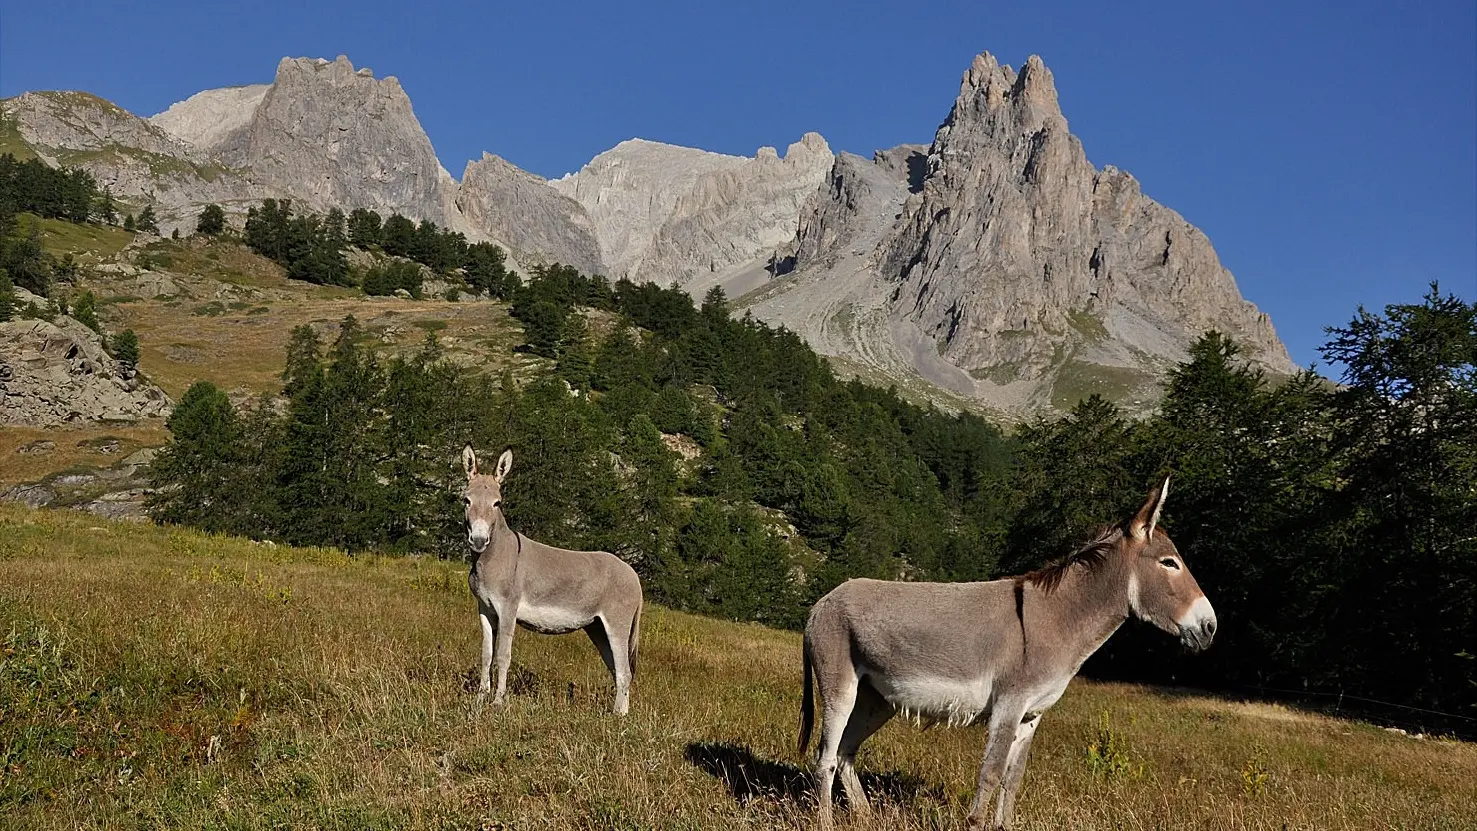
(552, 620)
(950, 701)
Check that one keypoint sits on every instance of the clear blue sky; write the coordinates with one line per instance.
(1329, 150)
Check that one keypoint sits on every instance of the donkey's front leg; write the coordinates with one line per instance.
(484, 685)
(506, 623)
(1015, 768)
(1004, 723)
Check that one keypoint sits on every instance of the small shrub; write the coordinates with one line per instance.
(1254, 774)
(125, 347)
(84, 311)
(212, 309)
(153, 261)
(1108, 753)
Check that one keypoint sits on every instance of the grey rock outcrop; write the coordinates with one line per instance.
(57, 373)
(630, 191)
(733, 216)
(521, 211)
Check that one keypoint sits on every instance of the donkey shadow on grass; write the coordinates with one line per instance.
(749, 777)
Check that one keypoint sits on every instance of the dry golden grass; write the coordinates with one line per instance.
(164, 678)
(241, 344)
(91, 445)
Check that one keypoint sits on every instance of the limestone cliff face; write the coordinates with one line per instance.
(521, 211)
(738, 214)
(1017, 245)
(333, 136)
(856, 195)
(630, 191)
(206, 120)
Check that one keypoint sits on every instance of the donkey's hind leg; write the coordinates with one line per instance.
(613, 652)
(870, 712)
(838, 692)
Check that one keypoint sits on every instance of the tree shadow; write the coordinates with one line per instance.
(750, 777)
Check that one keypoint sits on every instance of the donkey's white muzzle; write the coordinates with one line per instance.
(1197, 627)
(478, 535)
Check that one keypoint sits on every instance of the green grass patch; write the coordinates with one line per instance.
(60, 237)
(11, 141)
(1077, 380)
(1088, 325)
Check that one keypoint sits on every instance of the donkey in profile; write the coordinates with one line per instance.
(1000, 652)
(519, 582)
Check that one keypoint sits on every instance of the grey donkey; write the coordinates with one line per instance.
(1000, 652)
(519, 582)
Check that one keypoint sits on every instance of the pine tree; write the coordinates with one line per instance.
(193, 476)
(147, 221)
(107, 211)
(364, 228)
(84, 311)
(212, 221)
(574, 352)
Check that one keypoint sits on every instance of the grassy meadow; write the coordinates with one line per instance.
(163, 678)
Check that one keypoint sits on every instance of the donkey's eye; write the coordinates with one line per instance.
(1168, 562)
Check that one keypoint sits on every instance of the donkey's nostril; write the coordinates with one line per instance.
(1210, 627)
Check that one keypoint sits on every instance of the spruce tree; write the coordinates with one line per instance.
(212, 221)
(147, 221)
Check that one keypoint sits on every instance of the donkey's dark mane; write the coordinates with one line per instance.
(1091, 554)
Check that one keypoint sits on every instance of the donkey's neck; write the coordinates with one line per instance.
(1089, 605)
(504, 543)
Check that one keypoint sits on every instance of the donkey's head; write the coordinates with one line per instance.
(1161, 589)
(483, 497)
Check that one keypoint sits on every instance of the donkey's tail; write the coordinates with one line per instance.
(634, 642)
(807, 703)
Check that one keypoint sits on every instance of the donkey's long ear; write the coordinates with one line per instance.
(1143, 522)
(504, 464)
(469, 460)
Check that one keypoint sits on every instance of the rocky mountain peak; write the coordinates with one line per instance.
(337, 136)
(520, 210)
(1020, 254)
(665, 213)
(1000, 265)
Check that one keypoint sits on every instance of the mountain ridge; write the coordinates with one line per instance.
(996, 263)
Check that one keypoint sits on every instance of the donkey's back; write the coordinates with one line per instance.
(560, 590)
(928, 650)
